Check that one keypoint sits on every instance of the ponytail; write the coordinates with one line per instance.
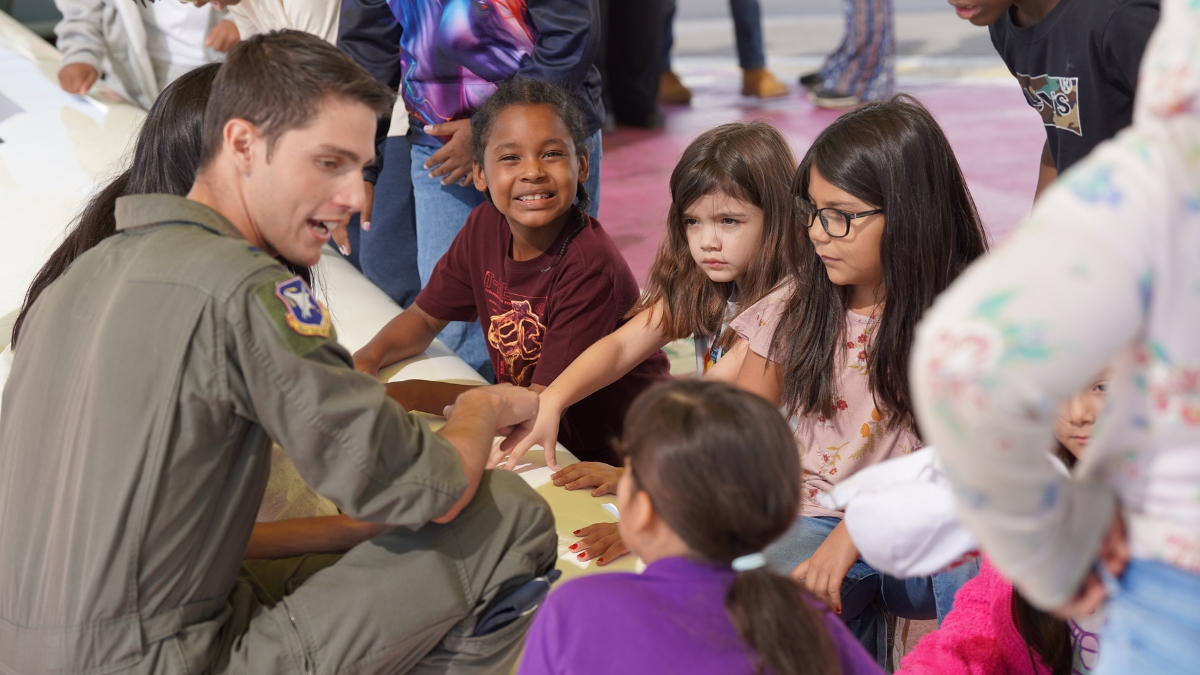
(780, 623)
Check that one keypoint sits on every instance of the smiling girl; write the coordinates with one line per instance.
(541, 276)
(890, 224)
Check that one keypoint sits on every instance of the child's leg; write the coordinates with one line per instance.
(442, 211)
(924, 598)
(387, 252)
(860, 588)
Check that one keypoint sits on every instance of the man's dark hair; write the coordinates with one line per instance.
(278, 81)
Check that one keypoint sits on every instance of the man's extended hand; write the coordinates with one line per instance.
(77, 78)
(453, 160)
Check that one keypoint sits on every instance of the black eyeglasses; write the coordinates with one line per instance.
(835, 222)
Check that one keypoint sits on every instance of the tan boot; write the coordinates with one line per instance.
(761, 83)
(671, 90)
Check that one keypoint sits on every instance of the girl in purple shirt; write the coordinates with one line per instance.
(712, 476)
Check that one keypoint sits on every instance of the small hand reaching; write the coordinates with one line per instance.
(601, 542)
(543, 433)
(598, 475)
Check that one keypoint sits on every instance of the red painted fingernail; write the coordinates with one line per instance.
(573, 546)
(601, 560)
(581, 555)
(575, 532)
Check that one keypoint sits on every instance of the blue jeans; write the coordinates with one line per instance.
(747, 33)
(387, 253)
(442, 211)
(1153, 622)
(867, 594)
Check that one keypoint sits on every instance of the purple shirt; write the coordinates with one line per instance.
(671, 618)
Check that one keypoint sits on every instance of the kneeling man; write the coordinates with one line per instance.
(134, 446)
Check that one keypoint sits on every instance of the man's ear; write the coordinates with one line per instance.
(241, 142)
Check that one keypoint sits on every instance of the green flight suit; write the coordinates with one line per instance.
(134, 451)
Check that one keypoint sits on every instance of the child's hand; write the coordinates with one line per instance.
(223, 37)
(600, 542)
(544, 433)
(599, 475)
(77, 78)
(453, 160)
(822, 574)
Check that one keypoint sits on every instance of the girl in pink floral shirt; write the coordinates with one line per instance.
(890, 224)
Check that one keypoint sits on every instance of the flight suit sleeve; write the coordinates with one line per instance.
(348, 440)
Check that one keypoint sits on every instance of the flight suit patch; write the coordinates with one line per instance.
(284, 303)
(304, 313)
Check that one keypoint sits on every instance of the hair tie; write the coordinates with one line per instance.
(748, 562)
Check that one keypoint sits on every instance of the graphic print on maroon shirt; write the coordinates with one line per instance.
(515, 331)
(539, 315)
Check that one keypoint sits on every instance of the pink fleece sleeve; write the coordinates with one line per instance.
(975, 636)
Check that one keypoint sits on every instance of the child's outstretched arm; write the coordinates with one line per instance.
(405, 336)
(605, 362)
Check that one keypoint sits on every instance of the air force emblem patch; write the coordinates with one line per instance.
(305, 314)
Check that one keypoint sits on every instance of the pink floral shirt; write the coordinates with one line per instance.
(856, 436)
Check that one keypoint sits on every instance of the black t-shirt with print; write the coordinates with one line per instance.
(1078, 68)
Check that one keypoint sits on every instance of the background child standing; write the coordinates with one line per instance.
(1077, 63)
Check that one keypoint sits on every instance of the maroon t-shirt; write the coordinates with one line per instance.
(539, 315)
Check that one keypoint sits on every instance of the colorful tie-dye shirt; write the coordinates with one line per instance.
(453, 53)
(1107, 268)
(856, 436)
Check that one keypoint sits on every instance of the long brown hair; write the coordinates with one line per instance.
(747, 161)
(894, 155)
(721, 468)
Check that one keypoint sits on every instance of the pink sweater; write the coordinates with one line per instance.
(977, 637)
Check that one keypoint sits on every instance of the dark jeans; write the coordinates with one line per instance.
(628, 60)
(747, 32)
(387, 253)
(867, 594)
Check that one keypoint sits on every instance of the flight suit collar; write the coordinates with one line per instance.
(134, 211)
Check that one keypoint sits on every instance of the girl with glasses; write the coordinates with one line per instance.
(890, 223)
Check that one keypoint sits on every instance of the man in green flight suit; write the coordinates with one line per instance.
(151, 378)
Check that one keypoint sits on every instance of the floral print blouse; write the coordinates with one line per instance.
(1107, 268)
(856, 436)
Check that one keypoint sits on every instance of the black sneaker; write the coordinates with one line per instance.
(827, 98)
(811, 81)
